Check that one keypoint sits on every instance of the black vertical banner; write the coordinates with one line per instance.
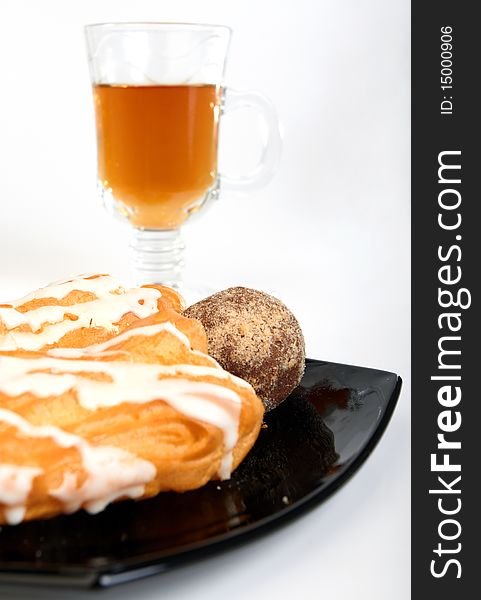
(446, 267)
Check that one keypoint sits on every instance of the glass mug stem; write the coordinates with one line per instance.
(158, 256)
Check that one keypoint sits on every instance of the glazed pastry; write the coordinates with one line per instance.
(256, 337)
(142, 412)
(78, 312)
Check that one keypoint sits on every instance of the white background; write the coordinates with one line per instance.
(329, 235)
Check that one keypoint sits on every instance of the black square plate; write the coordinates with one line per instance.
(308, 447)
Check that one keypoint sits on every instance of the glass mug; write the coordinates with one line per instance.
(159, 96)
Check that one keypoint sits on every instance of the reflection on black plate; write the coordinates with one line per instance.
(309, 446)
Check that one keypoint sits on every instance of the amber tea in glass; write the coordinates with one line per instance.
(157, 148)
(159, 95)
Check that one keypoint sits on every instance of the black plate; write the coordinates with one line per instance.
(312, 444)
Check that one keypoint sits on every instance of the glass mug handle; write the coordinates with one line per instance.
(263, 172)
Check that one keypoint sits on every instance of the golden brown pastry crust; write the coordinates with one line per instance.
(91, 332)
(186, 452)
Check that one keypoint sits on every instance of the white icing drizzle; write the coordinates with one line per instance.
(14, 514)
(103, 348)
(49, 323)
(15, 485)
(111, 472)
(132, 382)
(96, 506)
(100, 285)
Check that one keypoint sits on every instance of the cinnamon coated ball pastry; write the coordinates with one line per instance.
(144, 411)
(256, 337)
